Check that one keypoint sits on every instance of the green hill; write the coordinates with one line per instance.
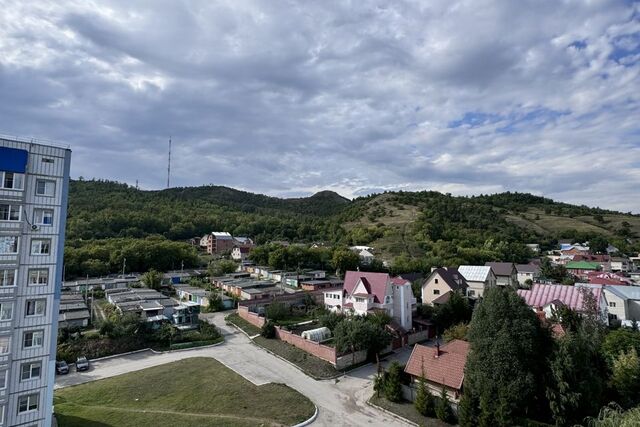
(109, 221)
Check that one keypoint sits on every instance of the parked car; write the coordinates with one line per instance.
(82, 364)
(62, 367)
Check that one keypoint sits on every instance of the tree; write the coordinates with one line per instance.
(620, 341)
(393, 382)
(455, 310)
(277, 311)
(625, 378)
(443, 408)
(221, 267)
(357, 333)
(215, 301)
(598, 244)
(504, 367)
(330, 319)
(424, 401)
(344, 260)
(152, 279)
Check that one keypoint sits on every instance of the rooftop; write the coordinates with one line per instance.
(447, 368)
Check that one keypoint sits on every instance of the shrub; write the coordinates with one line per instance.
(443, 408)
(268, 330)
(393, 382)
(277, 311)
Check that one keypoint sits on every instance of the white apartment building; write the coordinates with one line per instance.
(34, 182)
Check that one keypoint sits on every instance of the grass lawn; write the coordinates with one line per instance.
(406, 410)
(312, 365)
(250, 329)
(191, 392)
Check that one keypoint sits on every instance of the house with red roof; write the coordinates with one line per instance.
(600, 278)
(549, 298)
(440, 366)
(365, 292)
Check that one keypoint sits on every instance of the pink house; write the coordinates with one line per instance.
(548, 298)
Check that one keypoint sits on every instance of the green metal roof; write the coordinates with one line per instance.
(583, 265)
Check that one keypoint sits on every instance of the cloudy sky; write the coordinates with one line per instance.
(291, 97)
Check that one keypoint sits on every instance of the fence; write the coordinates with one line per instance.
(250, 317)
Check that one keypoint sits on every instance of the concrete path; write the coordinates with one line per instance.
(340, 402)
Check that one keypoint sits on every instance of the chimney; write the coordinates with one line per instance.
(433, 269)
(437, 349)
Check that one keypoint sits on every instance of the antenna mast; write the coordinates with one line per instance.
(169, 166)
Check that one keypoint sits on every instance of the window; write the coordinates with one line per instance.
(43, 216)
(7, 277)
(33, 339)
(45, 188)
(38, 276)
(35, 307)
(471, 293)
(6, 311)
(11, 181)
(436, 291)
(387, 299)
(436, 281)
(1, 414)
(3, 379)
(5, 344)
(358, 299)
(40, 246)
(30, 371)
(612, 304)
(9, 212)
(47, 160)
(28, 402)
(9, 244)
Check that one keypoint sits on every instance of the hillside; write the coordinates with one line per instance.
(428, 227)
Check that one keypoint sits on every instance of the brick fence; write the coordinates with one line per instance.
(321, 351)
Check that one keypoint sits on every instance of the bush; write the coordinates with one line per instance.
(393, 382)
(277, 311)
(268, 330)
(443, 408)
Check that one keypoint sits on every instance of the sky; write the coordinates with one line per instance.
(288, 98)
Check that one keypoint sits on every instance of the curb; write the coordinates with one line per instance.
(142, 350)
(310, 420)
(393, 414)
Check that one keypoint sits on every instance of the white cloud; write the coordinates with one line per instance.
(292, 97)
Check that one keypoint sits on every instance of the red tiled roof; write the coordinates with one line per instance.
(376, 283)
(447, 368)
(541, 295)
(601, 278)
(400, 281)
(442, 298)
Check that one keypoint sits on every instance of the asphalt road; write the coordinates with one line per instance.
(340, 402)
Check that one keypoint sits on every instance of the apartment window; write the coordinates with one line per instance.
(436, 291)
(33, 339)
(47, 160)
(612, 304)
(43, 216)
(45, 187)
(30, 371)
(35, 307)
(11, 181)
(38, 276)
(28, 403)
(9, 212)
(6, 311)
(3, 379)
(40, 246)
(5, 345)
(7, 277)
(9, 244)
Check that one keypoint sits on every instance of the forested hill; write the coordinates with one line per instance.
(425, 225)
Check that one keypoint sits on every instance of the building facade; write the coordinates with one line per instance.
(34, 182)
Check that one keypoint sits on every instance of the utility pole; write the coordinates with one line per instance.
(124, 264)
(182, 266)
(169, 166)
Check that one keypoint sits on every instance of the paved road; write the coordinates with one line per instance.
(340, 402)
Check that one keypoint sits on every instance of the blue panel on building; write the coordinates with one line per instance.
(175, 280)
(13, 160)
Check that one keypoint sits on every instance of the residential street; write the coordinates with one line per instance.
(340, 402)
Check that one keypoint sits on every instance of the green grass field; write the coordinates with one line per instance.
(187, 393)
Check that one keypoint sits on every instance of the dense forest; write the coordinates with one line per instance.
(110, 221)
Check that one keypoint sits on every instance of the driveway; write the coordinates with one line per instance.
(340, 402)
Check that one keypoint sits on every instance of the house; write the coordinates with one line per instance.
(534, 247)
(623, 302)
(479, 278)
(244, 242)
(527, 272)
(219, 242)
(582, 268)
(575, 250)
(600, 278)
(365, 292)
(440, 366)
(621, 264)
(603, 260)
(315, 284)
(239, 253)
(366, 257)
(549, 298)
(506, 273)
(438, 286)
